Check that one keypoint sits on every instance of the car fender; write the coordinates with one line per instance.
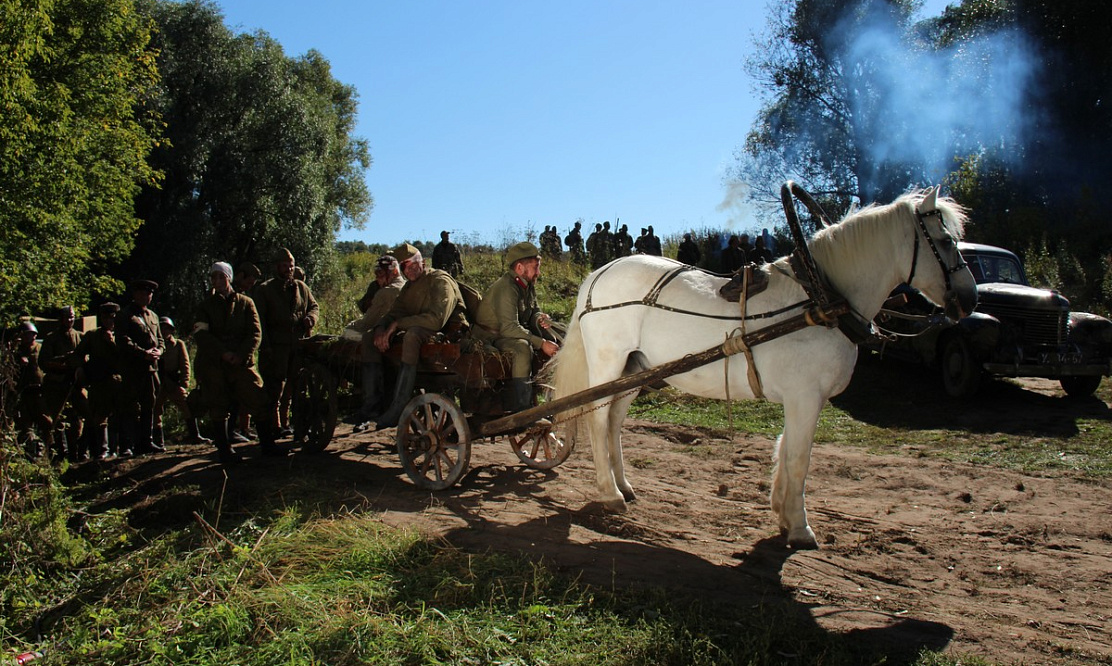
(1088, 329)
(982, 331)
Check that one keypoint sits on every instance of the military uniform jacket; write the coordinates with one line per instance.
(55, 354)
(173, 367)
(227, 325)
(136, 332)
(382, 302)
(432, 301)
(99, 355)
(509, 310)
(27, 361)
(446, 256)
(281, 307)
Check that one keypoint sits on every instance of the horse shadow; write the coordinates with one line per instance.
(891, 393)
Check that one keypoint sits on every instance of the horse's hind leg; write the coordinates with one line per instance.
(611, 498)
(618, 411)
(789, 476)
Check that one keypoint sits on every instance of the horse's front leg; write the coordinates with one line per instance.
(789, 476)
(618, 411)
(611, 498)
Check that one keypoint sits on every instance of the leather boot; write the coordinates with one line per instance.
(234, 436)
(520, 395)
(372, 395)
(99, 447)
(158, 439)
(403, 391)
(267, 435)
(195, 436)
(227, 455)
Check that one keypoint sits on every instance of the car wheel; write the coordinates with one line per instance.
(961, 376)
(1081, 386)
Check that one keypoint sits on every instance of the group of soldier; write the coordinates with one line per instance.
(102, 394)
(602, 245)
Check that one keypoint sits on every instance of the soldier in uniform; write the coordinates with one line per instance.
(97, 363)
(173, 385)
(60, 386)
(689, 251)
(430, 302)
(623, 242)
(139, 339)
(446, 256)
(287, 312)
(228, 333)
(652, 243)
(509, 319)
(390, 281)
(29, 410)
(574, 241)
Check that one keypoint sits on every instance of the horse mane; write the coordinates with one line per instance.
(854, 239)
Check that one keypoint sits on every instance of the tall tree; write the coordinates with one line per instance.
(260, 154)
(73, 146)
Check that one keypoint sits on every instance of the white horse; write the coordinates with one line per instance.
(618, 329)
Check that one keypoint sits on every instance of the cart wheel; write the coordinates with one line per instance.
(434, 441)
(539, 447)
(314, 408)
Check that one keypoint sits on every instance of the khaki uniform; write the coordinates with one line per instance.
(29, 410)
(424, 307)
(137, 331)
(282, 308)
(59, 383)
(228, 325)
(379, 306)
(507, 318)
(173, 379)
(99, 359)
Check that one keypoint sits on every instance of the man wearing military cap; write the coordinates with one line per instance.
(60, 387)
(173, 384)
(390, 282)
(446, 256)
(140, 342)
(228, 333)
(28, 384)
(430, 302)
(287, 312)
(510, 320)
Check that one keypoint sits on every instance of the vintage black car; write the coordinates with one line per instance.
(1016, 331)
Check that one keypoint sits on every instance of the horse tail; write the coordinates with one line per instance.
(571, 376)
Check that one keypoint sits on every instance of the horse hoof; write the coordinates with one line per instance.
(615, 505)
(629, 496)
(802, 539)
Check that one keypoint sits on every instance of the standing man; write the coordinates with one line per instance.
(390, 282)
(28, 383)
(689, 251)
(430, 302)
(510, 320)
(141, 345)
(97, 365)
(652, 243)
(228, 333)
(60, 387)
(623, 242)
(173, 384)
(733, 256)
(574, 241)
(446, 256)
(287, 312)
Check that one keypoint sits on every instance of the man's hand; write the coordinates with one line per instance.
(549, 348)
(544, 321)
(382, 337)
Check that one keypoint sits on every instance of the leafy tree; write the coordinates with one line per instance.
(260, 155)
(73, 146)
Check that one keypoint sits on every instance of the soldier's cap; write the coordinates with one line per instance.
(222, 267)
(405, 252)
(166, 321)
(443, 234)
(298, 273)
(108, 308)
(386, 262)
(523, 250)
(67, 312)
(144, 285)
(248, 269)
(283, 255)
(28, 326)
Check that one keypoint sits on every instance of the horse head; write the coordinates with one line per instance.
(939, 225)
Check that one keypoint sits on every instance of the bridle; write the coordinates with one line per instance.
(947, 271)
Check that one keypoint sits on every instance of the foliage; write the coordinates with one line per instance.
(260, 155)
(73, 146)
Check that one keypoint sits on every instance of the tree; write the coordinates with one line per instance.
(73, 146)
(260, 155)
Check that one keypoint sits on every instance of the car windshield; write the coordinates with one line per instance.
(995, 268)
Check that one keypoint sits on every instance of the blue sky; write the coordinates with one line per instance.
(489, 118)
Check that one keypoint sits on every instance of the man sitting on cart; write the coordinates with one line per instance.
(510, 320)
(390, 282)
(429, 303)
